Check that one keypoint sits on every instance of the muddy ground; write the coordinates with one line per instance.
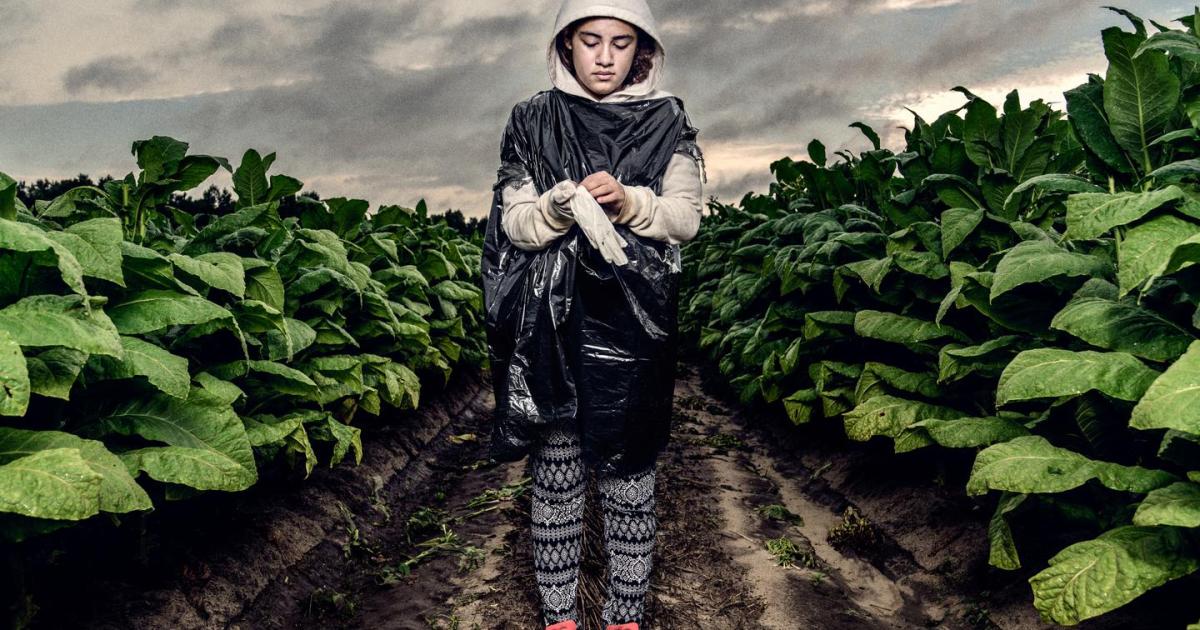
(761, 525)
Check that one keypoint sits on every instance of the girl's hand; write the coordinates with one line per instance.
(607, 191)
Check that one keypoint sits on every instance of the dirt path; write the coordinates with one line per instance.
(714, 567)
(757, 529)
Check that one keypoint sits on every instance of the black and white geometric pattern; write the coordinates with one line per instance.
(559, 487)
(629, 527)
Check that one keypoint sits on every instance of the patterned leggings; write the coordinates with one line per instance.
(557, 516)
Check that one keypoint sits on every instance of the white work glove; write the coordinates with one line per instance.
(556, 203)
(596, 225)
(561, 195)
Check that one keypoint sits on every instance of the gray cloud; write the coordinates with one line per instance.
(971, 38)
(170, 5)
(321, 86)
(19, 16)
(108, 73)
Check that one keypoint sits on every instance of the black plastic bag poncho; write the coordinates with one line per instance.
(572, 338)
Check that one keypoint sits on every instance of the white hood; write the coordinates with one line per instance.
(635, 12)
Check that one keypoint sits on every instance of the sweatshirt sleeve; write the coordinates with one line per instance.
(673, 216)
(530, 220)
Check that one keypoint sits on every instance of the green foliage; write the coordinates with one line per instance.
(1015, 281)
(147, 353)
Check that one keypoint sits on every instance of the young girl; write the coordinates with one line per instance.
(601, 180)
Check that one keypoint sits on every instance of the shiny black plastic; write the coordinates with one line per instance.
(572, 338)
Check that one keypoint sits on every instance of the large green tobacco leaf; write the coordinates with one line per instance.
(397, 384)
(959, 433)
(263, 282)
(70, 203)
(250, 178)
(1179, 448)
(168, 372)
(460, 292)
(336, 376)
(1149, 246)
(1018, 134)
(55, 483)
(1180, 44)
(158, 157)
(921, 263)
(1092, 215)
(900, 329)
(156, 309)
(1038, 260)
(1093, 577)
(219, 270)
(269, 435)
(14, 377)
(1177, 171)
(1002, 552)
(1140, 93)
(1185, 254)
(226, 393)
(871, 271)
(8, 197)
(1053, 372)
(207, 445)
(277, 377)
(259, 317)
(889, 415)
(877, 378)
(957, 225)
(435, 266)
(96, 244)
(52, 372)
(1176, 504)
(981, 127)
(956, 362)
(314, 280)
(294, 336)
(1173, 400)
(1050, 182)
(800, 405)
(1085, 111)
(1031, 464)
(345, 438)
(314, 248)
(145, 268)
(118, 492)
(22, 237)
(1034, 161)
(61, 320)
(1123, 327)
(262, 215)
(827, 324)
(1011, 310)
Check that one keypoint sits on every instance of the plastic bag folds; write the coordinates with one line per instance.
(573, 339)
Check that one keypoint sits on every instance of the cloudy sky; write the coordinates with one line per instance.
(397, 100)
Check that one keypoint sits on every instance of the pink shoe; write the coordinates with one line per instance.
(625, 626)
(565, 624)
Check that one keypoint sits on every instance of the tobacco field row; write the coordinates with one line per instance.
(1019, 281)
(147, 354)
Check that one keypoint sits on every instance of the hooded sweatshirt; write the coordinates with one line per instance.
(533, 221)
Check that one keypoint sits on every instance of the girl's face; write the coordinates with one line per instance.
(603, 50)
